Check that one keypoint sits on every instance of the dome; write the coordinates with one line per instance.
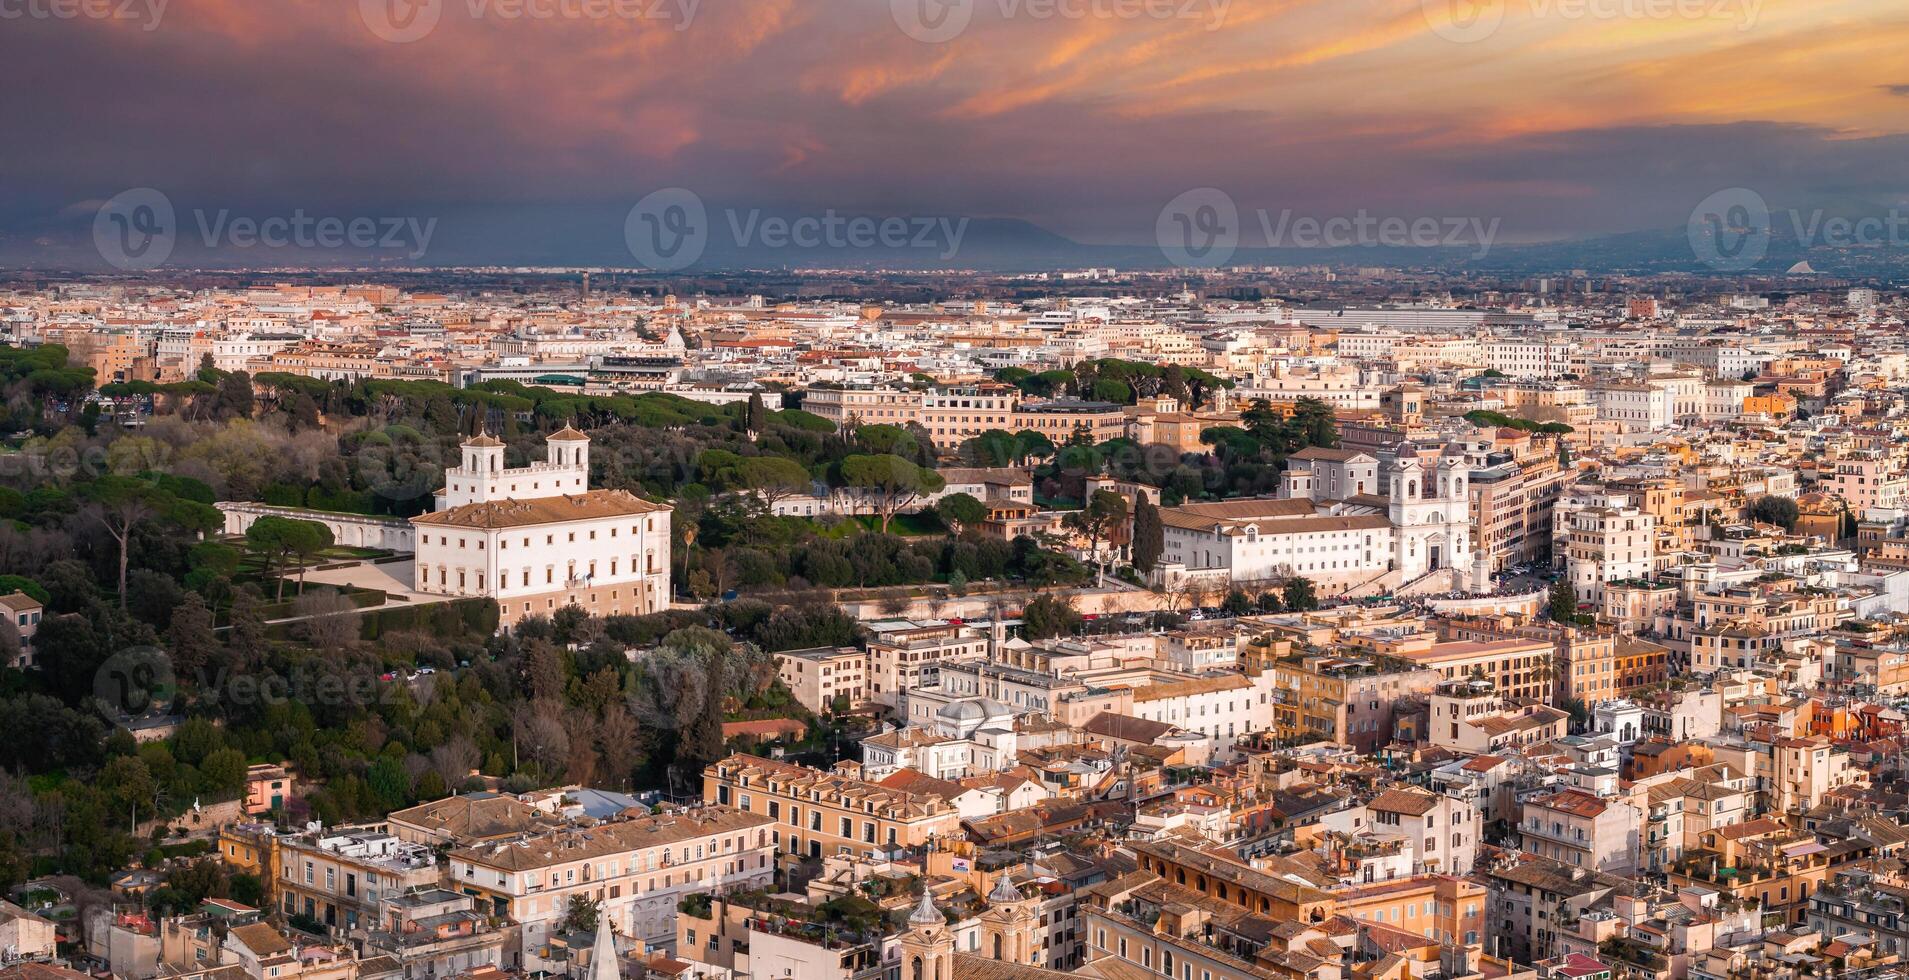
(567, 434)
(957, 711)
(1004, 890)
(962, 718)
(925, 914)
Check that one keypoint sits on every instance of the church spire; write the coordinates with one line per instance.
(925, 913)
(603, 962)
(1004, 890)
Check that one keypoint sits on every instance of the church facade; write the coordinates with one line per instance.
(1343, 519)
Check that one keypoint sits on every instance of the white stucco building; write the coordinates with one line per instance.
(1345, 519)
(536, 537)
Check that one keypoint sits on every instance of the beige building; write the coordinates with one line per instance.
(1573, 827)
(903, 659)
(636, 870)
(24, 935)
(813, 813)
(23, 614)
(819, 676)
(1606, 544)
(1468, 717)
(1517, 668)
(339, 877)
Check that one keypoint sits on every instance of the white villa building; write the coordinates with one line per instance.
(536, 537)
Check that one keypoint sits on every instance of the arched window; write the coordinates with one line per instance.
(917, 971)
(997, 945)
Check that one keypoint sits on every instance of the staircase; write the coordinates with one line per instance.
(1432, 583)
(1379, 584)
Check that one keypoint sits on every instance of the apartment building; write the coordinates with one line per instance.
(1348, 699)
(436, 933)
(1606, 544)
(812, 813)
(825, 679)
(1440, 832)
(1467, 716)
(1533, 898)
(1203, 872)
(1445, 907)
(1573, 827)
(906, 656)
(1511, 509)
(1870, 478)
(635, 869)
(1584, 658)
(339, 878)
(1529, 359)
(1518, 668)
(1646, 407)
(1223, 706)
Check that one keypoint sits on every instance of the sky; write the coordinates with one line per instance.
(520, 124)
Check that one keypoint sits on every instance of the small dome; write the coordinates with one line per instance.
(567, 434)
(483, 440)
(970, 710)
(1004, 890)
(925, 914)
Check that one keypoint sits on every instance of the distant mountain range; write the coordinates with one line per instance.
(760, 239)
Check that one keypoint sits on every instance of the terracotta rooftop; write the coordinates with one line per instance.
(592, 505)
